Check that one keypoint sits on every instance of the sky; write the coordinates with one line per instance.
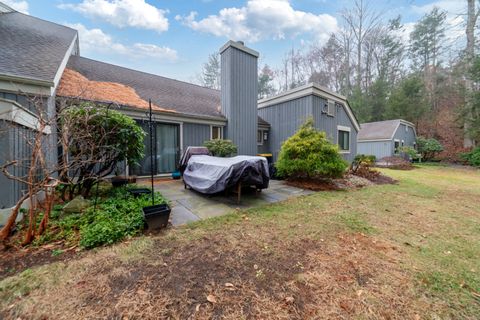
(172, 38)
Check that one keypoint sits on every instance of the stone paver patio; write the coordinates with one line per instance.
(189, 205)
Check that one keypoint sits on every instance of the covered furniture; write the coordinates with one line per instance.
(191, 151)
(209, 175)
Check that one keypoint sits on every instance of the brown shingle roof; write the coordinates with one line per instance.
(181, 97)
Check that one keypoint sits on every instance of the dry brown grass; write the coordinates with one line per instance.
(377, 253)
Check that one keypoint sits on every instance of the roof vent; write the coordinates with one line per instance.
(241, 42)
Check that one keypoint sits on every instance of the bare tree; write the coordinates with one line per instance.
(361, 20)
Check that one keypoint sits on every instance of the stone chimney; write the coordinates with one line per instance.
(239, 85)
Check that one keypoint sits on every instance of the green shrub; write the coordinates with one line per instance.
(308, 153)
(428, 148)
(220, 147)
(99, 139)
(115, 218)
(411, 152)
(472, 157)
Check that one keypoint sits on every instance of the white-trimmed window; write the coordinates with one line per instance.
(216, 132)
(331, 108)
(343, 138)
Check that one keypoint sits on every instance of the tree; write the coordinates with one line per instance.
(472, 17)
(309, 154)
(95, 140)
(34, 172)
(408, 100)
(265, 79)
(210, 77)
(426, 48)
(471, 111)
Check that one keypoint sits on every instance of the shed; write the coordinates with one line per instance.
(384, 138)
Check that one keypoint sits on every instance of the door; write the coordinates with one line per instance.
(166, 149)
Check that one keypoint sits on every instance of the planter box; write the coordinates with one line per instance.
(157, 216)
(138, 192)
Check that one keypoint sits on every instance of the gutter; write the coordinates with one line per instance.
(37, 82)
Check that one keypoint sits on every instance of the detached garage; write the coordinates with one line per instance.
(384, 138)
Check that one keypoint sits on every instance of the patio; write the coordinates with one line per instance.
(189, 205)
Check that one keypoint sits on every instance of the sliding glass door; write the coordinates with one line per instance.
(166, 148)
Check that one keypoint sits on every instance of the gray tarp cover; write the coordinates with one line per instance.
(207, 174)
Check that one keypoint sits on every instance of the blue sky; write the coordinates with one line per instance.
(173, 38)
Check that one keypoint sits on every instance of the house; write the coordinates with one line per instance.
(331, 113)
(383, 138)
(33, 55)
(43, 58)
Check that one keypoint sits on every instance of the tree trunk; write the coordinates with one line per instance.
(472, 16)
(7, 228)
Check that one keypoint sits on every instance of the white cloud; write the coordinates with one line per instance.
(451, 6)
(123, 13)
(97, 41)
(454, 22)
(261, 20)
(21, 6)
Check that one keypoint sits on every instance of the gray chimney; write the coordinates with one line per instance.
(239, 85)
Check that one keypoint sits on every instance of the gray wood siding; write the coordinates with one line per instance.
(13, 145)
(285, 119)
(379, 149)
(195, 134)
(329, 124)
(239, 99)
(406, 134)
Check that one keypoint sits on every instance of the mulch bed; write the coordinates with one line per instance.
(349, 182)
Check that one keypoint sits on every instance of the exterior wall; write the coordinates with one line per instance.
(406, 134)
(379, 149)
(6, 185)
(195, 134)
(285, 119)
(239, 98)
(330, 124)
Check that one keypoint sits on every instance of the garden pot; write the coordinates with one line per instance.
(138, 192)
(119, 181)
(157, 216)
(176, 175)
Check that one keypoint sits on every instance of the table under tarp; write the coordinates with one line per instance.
(209, 175)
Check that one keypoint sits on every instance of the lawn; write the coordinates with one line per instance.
(405, 251)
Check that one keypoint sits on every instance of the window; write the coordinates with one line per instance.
(396, 146)
(216, 132)
(331, 108)
(344, 140)
(259, 137)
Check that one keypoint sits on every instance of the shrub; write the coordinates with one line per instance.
(428, 148)
(95, 140)
(220, 147)
(115, 218)
(472, 157)
(308, 153)
(362, 166)
(409, 151)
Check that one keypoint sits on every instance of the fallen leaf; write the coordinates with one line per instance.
(289, 299)
(197, 308)
(211, 298)
(359, 293)
(229, 285)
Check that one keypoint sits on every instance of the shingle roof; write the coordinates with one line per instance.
(378, 130)
(172, 94)
(165, 93)
(32, 48)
